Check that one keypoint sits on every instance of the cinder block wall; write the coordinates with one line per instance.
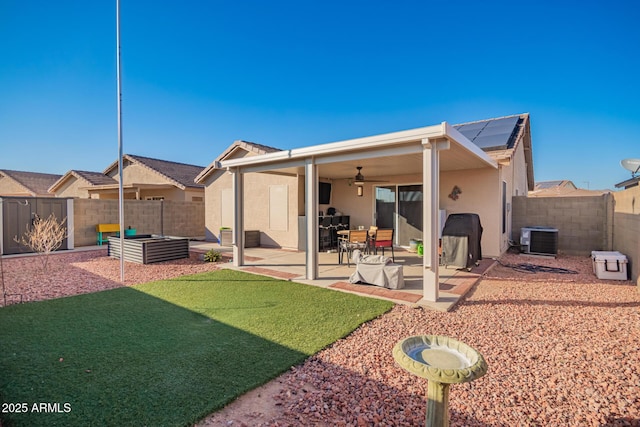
(584, 224)
(626, 228)
(171, 218)
(627, 240)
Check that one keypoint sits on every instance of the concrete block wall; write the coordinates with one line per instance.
(584, 224)
(627, 241)
(172, 218)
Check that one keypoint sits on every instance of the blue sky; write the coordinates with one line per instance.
(198, 75)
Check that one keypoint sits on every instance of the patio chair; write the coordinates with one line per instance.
(377, 270)
(356, 239)
(384, 239)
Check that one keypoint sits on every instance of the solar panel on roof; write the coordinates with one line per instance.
(493, 142)
(470, 134)
(477, 125)
(497, 134)
(496, 131)
(505, 122)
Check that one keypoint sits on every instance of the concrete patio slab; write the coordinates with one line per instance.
(290, 265)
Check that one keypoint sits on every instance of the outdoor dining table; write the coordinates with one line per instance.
(345, 236)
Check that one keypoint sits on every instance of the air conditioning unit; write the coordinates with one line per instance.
(539, 240)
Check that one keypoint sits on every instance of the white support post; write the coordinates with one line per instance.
(311, 213)
(430, 215)
(238, 217)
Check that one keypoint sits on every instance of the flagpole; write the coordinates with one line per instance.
(120, 176)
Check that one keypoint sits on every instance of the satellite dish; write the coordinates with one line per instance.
(632, 165)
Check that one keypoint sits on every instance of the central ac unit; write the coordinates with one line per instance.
(539, 240)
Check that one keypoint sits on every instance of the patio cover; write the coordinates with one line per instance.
(426, 150)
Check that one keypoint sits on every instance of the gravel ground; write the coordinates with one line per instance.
(72, 273)
(562, 350)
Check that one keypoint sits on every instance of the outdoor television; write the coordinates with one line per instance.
(324, 197)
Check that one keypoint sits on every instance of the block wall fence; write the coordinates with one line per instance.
(585, 224)
(170, 218)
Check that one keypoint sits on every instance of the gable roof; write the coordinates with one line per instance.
(91, 178)
(249, 147)
(34, 183)
(499, 137)
(182, 175)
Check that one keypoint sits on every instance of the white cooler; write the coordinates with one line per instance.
(609, 265)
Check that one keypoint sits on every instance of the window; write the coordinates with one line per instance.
(154, 198)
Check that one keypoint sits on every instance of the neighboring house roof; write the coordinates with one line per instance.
(544, 185)
(562, 188)
(182, 175)
(91, 178)
(250, 147)
(34, 183)
(566, 192)
(631, 182)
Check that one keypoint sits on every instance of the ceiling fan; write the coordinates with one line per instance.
(359, 179)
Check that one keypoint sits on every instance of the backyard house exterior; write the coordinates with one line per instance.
(469, 168)
(77, 184)
(26, 184)
(144, 178)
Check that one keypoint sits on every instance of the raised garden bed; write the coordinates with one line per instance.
(148, 248)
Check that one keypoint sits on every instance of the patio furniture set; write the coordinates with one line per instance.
(361, 246)
(367, 241)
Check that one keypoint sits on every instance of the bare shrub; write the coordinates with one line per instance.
(44, 236)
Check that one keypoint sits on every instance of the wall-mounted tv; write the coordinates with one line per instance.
(324, 196)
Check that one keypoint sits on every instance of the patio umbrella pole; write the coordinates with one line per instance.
(120, 184)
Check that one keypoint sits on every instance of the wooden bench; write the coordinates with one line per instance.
(106, 228)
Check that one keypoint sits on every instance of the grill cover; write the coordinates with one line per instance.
(461, 238)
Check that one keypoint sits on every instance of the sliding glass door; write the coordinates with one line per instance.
(400, 207)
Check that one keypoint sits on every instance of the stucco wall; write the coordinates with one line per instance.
(626, 228)
(71, 188)
(584, 224)
(8, 187)
(480, 195)
(171, 218)
(256, 207)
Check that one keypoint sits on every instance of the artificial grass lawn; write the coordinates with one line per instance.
(163, 353)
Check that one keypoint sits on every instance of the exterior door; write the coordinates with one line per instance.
(400, 207)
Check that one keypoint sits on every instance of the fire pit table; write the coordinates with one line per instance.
(149, 248)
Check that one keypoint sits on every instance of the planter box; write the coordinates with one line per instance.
(147, 249)
(251, 238)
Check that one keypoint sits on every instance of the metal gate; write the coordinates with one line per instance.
(18, 214)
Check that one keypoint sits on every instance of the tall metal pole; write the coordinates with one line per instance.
(120, 178)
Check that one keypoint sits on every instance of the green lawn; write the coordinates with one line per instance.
(163, 353)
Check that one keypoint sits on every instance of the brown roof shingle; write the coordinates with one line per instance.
(35, 182)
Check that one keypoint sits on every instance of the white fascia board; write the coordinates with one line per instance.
(455, 136)
(334, 148)
(371, 141)
(274, 157)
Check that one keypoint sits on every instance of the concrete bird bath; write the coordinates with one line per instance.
(442, 361)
